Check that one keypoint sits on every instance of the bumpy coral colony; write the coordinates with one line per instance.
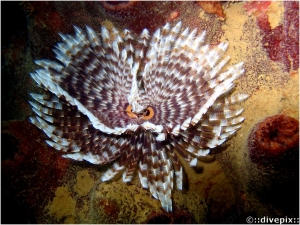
(141, 102)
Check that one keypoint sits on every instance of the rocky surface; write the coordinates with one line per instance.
(226, 187)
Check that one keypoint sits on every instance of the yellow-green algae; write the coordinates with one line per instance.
(63, 205)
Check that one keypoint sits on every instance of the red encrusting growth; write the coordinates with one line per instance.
(137, 15)
(282, 42)
(118, 5)
(31, 171)
(256, 7)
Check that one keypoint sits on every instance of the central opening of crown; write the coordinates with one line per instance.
(145, 114)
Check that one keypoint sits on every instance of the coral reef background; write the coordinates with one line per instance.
(226, 187)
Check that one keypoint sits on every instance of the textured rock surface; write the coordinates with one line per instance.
(223, 188)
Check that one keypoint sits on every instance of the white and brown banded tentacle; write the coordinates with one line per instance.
(178, 171)
(160, 175)
(128, 160)
(71, 131)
